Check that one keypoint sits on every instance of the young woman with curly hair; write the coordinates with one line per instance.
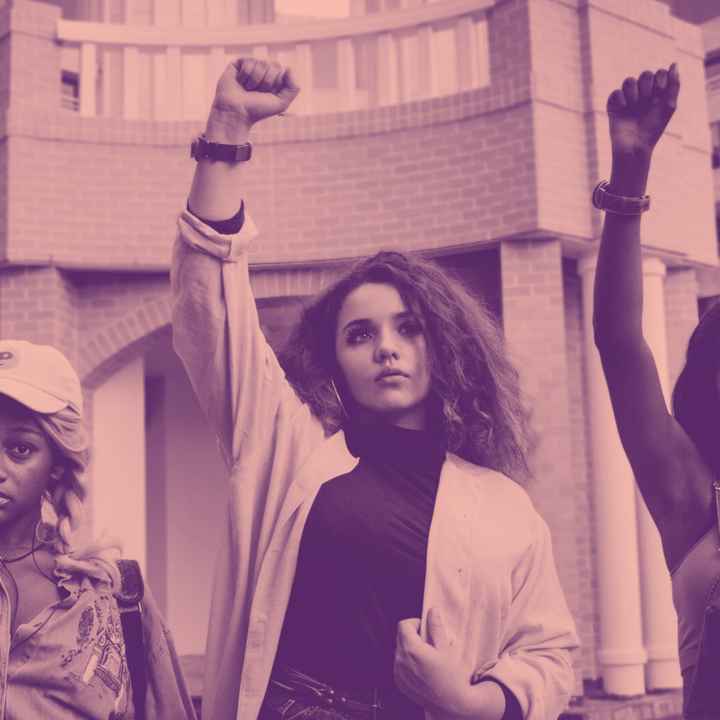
(378, 562)
(474, 388)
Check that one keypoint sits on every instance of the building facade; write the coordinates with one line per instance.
(472, 131)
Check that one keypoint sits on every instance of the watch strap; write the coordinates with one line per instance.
(618, 204)
(202, 148)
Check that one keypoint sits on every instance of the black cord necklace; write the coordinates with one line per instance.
(37, 566)
(14, 589)
(7, 561)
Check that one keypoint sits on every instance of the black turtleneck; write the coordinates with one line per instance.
(361, 564)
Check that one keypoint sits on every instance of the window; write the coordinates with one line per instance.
(715, 133)
(70, 93)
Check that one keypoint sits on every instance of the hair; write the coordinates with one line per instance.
(63, 504)
(474, 388)
(696, 398)
(68, 439)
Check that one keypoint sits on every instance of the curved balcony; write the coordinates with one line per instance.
(154, 73)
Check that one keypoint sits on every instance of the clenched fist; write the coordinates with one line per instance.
(249, 90)
(640, 111)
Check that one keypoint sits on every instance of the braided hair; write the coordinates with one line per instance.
(63, 504)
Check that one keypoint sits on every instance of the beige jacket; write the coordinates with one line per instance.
(490, 567)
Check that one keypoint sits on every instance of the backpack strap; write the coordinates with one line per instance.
(129, 600)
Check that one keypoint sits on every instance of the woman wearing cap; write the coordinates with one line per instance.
(62, 653)
(374, 565)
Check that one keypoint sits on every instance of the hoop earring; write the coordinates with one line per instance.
(45, 534)
(339, 399)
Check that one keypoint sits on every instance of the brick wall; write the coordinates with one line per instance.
(103, 192)
(534, 323)
(39, 304)
(34, 56)
(562, 150)
(90, 204)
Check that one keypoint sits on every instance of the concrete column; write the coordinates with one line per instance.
(659, 618)
(117, 495)
(621, 653)
(302, 70)
(346, 74)
(88, 79)
(424, 67)
(131, 85)
(387, 70)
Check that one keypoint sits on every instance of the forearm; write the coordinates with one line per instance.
(216, 192)
(618, 279)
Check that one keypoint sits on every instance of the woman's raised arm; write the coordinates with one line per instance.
(663, 458)
(248, 91)
(216, 330)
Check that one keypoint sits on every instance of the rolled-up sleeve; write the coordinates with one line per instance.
(216, 333)
(534, 663)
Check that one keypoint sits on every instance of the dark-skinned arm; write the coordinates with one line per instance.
(672, 479)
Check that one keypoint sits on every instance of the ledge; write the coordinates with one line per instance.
(269, 33)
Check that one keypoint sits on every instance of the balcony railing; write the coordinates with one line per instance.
(342, 65)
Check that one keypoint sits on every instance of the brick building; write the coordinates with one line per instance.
(470, 130)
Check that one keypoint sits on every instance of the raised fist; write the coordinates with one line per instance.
(250, 90)
(640, 111)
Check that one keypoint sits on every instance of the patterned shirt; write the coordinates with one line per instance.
(69, 660)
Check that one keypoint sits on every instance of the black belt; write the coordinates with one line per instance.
(297, 682)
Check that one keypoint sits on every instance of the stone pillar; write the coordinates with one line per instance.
(250, 12)
(534, 326)
(118, 494)
(621, 653)
(387, 69)
(659, 618)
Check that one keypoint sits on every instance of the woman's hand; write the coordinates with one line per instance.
(640, 111)
(248, 91)
(431, 674)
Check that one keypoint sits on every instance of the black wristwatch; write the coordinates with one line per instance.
(201, 148)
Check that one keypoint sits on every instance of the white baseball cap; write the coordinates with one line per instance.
(39, 377)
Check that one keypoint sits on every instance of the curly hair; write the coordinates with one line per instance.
(474, 387)
(695, 398)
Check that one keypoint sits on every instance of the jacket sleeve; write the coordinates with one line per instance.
(216, 332)
(534, 663)
(167, 695)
